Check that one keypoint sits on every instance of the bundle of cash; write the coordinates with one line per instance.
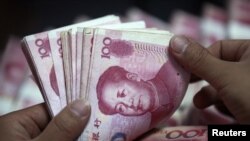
(123, 69)
(238, 24)
(18, 89)
(12, 73)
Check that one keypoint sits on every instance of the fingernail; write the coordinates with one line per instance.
(80, 108)
(179, 44)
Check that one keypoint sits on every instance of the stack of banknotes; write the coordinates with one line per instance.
(123, 69)
(18, 90)
(60, 81)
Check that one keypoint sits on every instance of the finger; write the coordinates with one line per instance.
(205, 97)
(194, 78)
(199, 61)
(222, 108)
(68, 124)
(231, 50)
(37, 114)
(29, 122)
(208, 96)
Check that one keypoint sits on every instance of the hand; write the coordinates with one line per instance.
(225, 65)
(33, 123)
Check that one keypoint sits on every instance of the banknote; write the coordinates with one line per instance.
(239, 22)
(37, 50)
(213, 24)
(239, 10)
(28, 94)
(133, 83)
(179, 133)
(67, 66)
(183, 23)
(38, 53)
(13, 68)
(123, 69)
(87, 38)
(55, 41)
(79, 50)
(135, 88)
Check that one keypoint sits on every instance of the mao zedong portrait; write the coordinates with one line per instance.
(125, 93)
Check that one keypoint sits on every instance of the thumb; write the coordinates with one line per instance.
(198, 60)
(68, 124)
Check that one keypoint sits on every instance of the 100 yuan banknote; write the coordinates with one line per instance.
(133, 83)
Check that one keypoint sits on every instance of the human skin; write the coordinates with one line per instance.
(34, 123)
(225, 65)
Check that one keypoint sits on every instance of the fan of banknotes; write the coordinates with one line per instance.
(123, 70)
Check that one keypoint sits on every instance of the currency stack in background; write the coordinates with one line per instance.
(18, 89)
